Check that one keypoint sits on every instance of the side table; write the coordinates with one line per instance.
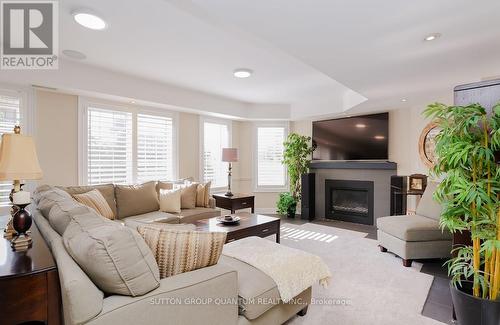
(29, 282)
(235, 202)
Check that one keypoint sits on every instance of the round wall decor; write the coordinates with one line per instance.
(427, 144)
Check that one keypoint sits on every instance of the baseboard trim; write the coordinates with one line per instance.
(265, 210)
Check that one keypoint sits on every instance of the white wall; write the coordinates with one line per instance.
(57, 142)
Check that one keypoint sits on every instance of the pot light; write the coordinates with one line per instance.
(404, 100)
(89, 20)
(379, 137)
(242, 73)
(361, 126)
(432, 37)
(74, 54)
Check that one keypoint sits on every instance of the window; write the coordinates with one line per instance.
(125, 145)
(270, 172)
(154, 147)
(12, 113)
(216, 134)
(109, 147)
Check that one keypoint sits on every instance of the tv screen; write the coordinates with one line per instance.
(354, 138)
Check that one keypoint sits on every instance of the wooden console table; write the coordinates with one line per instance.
(29, 282)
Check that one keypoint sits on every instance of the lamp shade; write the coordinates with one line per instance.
(229, 154)
(18, 159)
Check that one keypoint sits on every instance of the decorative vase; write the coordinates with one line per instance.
(472, 310)
(22, 220)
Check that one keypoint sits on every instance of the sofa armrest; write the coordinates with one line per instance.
(81, 299)
(211, 202)
(205, 296)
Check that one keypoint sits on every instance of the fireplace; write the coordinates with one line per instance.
(349, 200)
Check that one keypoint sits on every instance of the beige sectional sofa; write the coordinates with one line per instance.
(136, 202)
(230, 292)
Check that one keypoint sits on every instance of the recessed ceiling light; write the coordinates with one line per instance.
(242, 73)
(379, 137)
(88, 19)
(74, 54)
(432, 37)
(132, 102)
(404, 100)
(361, 126)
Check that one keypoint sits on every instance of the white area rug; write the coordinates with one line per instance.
(375, 285)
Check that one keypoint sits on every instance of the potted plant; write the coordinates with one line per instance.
(287, 205)
(470, 194)
(296, 158)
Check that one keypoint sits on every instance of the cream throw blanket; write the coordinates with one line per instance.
(292, 270)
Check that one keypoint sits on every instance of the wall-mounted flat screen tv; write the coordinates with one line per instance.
(363, 137)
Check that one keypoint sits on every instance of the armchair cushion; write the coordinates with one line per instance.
(427, 206)
(412, 228)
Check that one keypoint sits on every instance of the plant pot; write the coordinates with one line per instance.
(471, 310)
(291, 211)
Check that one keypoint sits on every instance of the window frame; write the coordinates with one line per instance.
(267, 188)
(208, 119)
(85, 103)
(27, 122)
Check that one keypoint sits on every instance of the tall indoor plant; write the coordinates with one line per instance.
(470, 194)
(296, 158)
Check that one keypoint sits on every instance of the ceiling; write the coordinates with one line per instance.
(317, 58)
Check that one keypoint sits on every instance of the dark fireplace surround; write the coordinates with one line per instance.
(349, 200)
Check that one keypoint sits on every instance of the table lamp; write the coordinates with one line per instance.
(229, 155)
(19, 161)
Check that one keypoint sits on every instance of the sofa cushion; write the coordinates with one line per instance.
(258, 292)
(62, 213)
(150, 217)
(203, 195)
(170, 200)
(164, 186)
(188, 195)
(412, 228)
(178, 250)
(96, 201)
(46, 197)
(107, 191)
(192, 215)
(427, 206)
(115, 257)
(137, 199)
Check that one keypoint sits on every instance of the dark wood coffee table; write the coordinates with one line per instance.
(249, 225)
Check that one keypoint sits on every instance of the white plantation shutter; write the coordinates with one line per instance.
(10, 115)
(215, 137)
(270, 170)
(109, 146)
(154, 148)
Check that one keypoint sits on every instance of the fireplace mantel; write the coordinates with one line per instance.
(353, 164)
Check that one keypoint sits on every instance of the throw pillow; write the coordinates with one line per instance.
(164, 186)
(203, 194)
(107, 191)
(96, 201)
(114, 257)
(170, 200)
(188, 195)
(179, 251)
(132, 200)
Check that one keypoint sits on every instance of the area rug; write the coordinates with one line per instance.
(367, 286)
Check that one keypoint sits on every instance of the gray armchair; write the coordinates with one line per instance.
(416, 236)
